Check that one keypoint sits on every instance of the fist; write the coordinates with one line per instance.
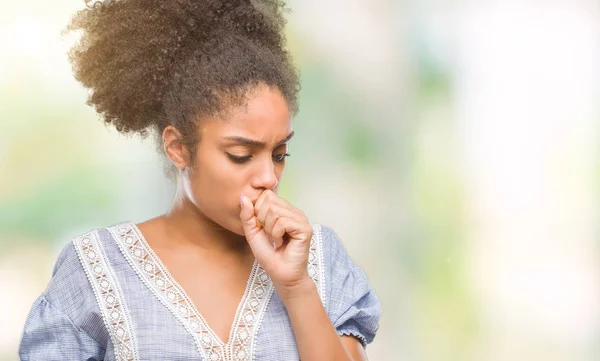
(279, 235)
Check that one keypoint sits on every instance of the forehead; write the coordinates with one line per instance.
(265, 117)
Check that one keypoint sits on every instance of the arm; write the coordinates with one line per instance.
(315, 335)
(354, 348)
(282, 248)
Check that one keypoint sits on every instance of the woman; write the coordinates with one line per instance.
(232, 271)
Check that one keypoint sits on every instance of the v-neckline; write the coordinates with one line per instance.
(168, 274)
(155, 275)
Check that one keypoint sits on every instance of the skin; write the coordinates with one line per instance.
(226, 213)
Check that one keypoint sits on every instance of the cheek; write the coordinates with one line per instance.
(279, 172)
(216, 187)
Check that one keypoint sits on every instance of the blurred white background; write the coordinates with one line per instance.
(452, 144)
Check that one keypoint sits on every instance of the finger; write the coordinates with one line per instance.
(270, 220)
(289, 229)
(274, 203)
(261, 213)
(249, 222)
(257, 238)
(261, 200)
(278, 231)
(269, 213)
(269, 197)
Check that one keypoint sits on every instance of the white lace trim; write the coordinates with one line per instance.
(153, 274)
(316, 271)
(109, 295)
(250, 312)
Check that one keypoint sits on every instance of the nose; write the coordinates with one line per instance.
(265, 176)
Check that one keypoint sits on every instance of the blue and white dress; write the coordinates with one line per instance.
(111, 298)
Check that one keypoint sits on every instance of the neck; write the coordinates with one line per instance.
(185, 225)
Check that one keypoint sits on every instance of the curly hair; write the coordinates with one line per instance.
(153, 63)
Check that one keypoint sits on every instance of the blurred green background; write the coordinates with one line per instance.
(453, 145)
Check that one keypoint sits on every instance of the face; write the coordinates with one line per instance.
(244, 153)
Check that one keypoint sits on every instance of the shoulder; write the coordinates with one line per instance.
(330, 243)
(69, 289)
(64, 321)
(70, 258)
(352, 304)
(324, 234)
(342, 274)
(328, 250)
(68, 274)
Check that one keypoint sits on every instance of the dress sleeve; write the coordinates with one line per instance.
(50, 335)
(353, 306)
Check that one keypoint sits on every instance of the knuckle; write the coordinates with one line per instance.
(271, 213)
(257, 207)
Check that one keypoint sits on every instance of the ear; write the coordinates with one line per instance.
(174, 147)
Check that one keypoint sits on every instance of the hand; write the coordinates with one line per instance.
(279, 235)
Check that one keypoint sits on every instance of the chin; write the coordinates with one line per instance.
(237, 228)
(233, 226)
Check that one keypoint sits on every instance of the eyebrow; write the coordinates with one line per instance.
(256, 143)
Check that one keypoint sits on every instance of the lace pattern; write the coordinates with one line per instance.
(316, 270)
(109, 295)
(155, 276)
(250, 312)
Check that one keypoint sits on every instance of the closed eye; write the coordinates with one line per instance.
(237, 159)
